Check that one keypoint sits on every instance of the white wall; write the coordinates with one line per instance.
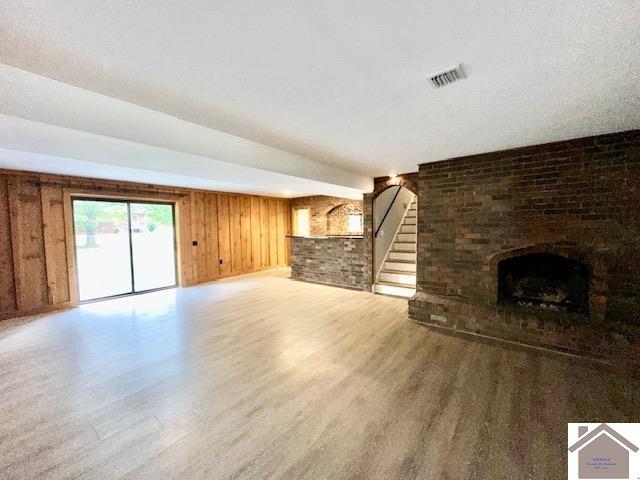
(382, 242)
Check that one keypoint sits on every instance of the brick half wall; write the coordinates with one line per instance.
(336, 261)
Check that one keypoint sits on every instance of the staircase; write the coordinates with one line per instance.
(398, 273)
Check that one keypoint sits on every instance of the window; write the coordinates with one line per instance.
(355, 223)
(301, 222)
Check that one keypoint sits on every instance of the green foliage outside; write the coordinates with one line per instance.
(155, 213)
(89, 215)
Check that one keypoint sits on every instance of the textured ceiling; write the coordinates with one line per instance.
(343, 82)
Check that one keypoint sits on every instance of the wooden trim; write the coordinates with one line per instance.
(72, 270)
(125, 195)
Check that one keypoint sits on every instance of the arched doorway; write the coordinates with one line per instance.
(395, 241)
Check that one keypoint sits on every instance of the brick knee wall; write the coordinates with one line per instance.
(335, 261)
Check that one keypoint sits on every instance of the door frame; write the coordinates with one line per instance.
(128, 201)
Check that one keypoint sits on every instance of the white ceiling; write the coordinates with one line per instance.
(343, 82)
(74, 131)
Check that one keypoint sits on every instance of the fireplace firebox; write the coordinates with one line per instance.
(544, 281)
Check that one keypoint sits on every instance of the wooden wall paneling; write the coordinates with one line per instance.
(193, 233)
(199, 226)
(245, 224)
(287, 219)
(55, 244)
(185, 241)
(70, 241)
(256, 237)
(25, 207)
(38, 270)
(211, 214)
(282, 233)
(273, 232)
(7, 279)
(224, 235)
(235, 231)
(264, 233)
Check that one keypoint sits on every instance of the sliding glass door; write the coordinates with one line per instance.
(103, 255)
(123, 247)
(153, 246)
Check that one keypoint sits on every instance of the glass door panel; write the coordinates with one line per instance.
(153, 246)
(103, 251)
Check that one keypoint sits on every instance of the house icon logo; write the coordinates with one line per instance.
(602, 451)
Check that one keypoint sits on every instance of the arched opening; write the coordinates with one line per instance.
(395, 240)
(345, 219)
(388, 202)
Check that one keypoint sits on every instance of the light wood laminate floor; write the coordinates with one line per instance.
(261, 376)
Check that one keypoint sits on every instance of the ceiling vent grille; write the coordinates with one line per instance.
(446, 77)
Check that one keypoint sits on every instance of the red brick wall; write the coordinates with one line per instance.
(584, 191)
(320, 206)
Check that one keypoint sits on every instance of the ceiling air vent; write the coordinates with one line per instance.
(444, 78)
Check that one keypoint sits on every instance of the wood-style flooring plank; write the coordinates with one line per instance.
(260, 376)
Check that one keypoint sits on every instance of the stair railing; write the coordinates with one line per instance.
(386, 255)
(388, 210)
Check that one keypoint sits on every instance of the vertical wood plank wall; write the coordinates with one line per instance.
(233, 234)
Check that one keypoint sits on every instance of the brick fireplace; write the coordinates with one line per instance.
(537, 245)
(545, 280)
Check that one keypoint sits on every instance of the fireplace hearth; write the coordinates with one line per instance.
(544, 281)
(536, 245)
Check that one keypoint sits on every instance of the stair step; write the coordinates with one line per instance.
(410, 220)
(407, 256)
(408, 228)
(406, 237)
(394, 289)
(400, 266)
(401, 278)
(404, 247)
